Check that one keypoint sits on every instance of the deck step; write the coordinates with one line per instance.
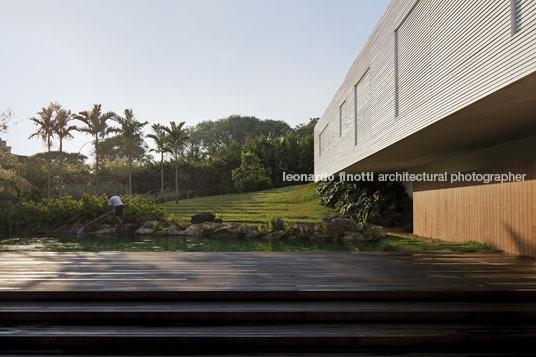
(164, 313)
(411, 294)
(263, 338)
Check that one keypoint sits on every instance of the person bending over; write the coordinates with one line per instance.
(116, 205)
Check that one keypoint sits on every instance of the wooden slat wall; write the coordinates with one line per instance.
(502, 215)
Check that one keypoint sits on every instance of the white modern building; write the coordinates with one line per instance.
(444, 85)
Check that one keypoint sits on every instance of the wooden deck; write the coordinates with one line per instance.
(249, 303)
(176, 272)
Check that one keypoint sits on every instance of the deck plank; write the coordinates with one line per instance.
(156, 271)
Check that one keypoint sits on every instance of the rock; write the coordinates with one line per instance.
(293, 238)
(144, 231)
(273, 236)
(339, 224)
(195, 230)
(67, 230)
(163, 233)
(378, 230)
(360, 227)
(172, 231)
(127, 229)
(106, 231)
(252, 232)
(149, 224)
(182, 233)
(233, 229)
(354, 236)
(224, 230)
(329, 218)
(202, 217)
(319, 236)
(218, 220)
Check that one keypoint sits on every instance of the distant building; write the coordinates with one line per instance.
(445, 86)
(4, 147)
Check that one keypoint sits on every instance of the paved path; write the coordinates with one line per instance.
(151, 271)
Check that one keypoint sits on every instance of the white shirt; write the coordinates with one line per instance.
(115, 201)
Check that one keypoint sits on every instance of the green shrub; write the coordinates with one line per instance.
(157, 226)
(251, 175)
(275, 224)
(28, 216)
(173, 221)
(298, 230)
(322, 228)
(208, 229)
(384, 203)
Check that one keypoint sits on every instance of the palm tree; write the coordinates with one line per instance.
(176, 139)
(96, 125)
(63, 130)
(130, 131)
(159, 137)
(45, 130)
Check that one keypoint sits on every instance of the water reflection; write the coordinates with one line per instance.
(176, 244)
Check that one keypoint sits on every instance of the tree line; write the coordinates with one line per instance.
(233, 154)
(55, 121)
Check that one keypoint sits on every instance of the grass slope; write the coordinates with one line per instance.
(294, 203)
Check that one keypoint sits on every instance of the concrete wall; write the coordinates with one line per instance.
(450, 55)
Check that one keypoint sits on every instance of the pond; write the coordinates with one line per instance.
(176, 244)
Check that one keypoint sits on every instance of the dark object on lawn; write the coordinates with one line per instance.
(202, 217)
(81, 230)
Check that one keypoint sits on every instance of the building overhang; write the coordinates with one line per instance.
(507, 114)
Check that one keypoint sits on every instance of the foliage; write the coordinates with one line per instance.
(274, 224)
(202, 161)
(384, 203)
(6, 120)
(45, 131)
(131, 133)
(322, 228)
(250, 176)
(28, 216)
(12, 186)
(160, 140)
(96, 124)
(157, 226)
(299, 231)
(210, 136)
(176, 139)
(112, 149)
(63, 130)
(172, 220)
(411, 243)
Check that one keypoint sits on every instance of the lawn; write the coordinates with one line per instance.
(411, 243)
(294, 203)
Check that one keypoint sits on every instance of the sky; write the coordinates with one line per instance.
(176, 60)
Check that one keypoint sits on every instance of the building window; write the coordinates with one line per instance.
(516, 16)
(396, 73)
(322, 141)
(355, 114)
(340, 120)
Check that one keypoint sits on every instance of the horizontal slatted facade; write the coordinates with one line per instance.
(502, 215)
(451, 54)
